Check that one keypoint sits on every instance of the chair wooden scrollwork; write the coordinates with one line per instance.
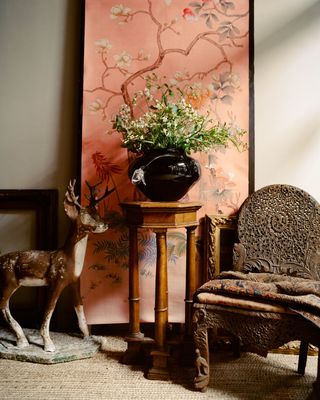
(272, 294)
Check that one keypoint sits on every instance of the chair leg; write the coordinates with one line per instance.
(303, 354)
(200, 335)
(316, 384)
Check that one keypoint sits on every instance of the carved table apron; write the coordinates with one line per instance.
(158, 216)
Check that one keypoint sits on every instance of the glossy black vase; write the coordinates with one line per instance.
(164, 175)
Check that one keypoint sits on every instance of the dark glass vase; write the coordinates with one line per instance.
(164, 174)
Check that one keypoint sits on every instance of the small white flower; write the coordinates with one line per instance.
(142, 55)
(123, 60)
(119, 11)
(95, 106)
(235, 79)
(215, 77)
(180, 75)
(103, 44)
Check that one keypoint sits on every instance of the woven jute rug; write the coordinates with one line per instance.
(103, 377)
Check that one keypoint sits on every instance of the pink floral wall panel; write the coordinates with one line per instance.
(201, 47)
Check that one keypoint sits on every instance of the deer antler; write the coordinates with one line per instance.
(93, 198)
(71, 195)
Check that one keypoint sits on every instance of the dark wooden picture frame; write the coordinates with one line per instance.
(44, 203)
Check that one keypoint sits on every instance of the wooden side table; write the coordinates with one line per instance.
(159, 216)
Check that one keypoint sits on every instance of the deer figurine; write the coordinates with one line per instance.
(55, 269)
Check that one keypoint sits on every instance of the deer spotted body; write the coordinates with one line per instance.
(54, 269)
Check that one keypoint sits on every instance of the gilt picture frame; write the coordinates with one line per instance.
(219, 236)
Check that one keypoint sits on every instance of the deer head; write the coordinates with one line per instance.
(87, 217)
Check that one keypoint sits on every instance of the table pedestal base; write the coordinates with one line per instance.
(159, 369)
(137, 347)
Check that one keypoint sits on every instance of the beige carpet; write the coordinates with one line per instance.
(104, 378)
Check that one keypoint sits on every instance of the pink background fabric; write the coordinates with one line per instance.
(203, 44)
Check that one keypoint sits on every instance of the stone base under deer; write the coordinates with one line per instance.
(68, 347)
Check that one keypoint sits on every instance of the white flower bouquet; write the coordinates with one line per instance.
(173, 125)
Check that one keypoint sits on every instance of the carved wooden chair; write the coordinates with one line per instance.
(272, 295)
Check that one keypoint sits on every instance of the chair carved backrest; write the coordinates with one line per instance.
(279, 232)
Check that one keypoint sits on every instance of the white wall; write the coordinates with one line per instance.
(287, 93)
(39, 81)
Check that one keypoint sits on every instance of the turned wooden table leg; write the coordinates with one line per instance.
(160, 354)
(134, 290)
(187, 352)
(135, 337)
(191, 278)
(161, 298)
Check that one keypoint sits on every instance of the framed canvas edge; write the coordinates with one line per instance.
(82, 11)
(213, 225)
(251, 100)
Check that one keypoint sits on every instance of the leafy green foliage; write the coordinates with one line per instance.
(175, 125)
(98, 267)
(115, 251)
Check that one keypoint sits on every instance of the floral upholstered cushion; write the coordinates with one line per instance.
(236, 302)
(299, 295)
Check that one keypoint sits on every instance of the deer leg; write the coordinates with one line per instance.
(78, 306)
(4, 306)
(44, 330)
(22, 341)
